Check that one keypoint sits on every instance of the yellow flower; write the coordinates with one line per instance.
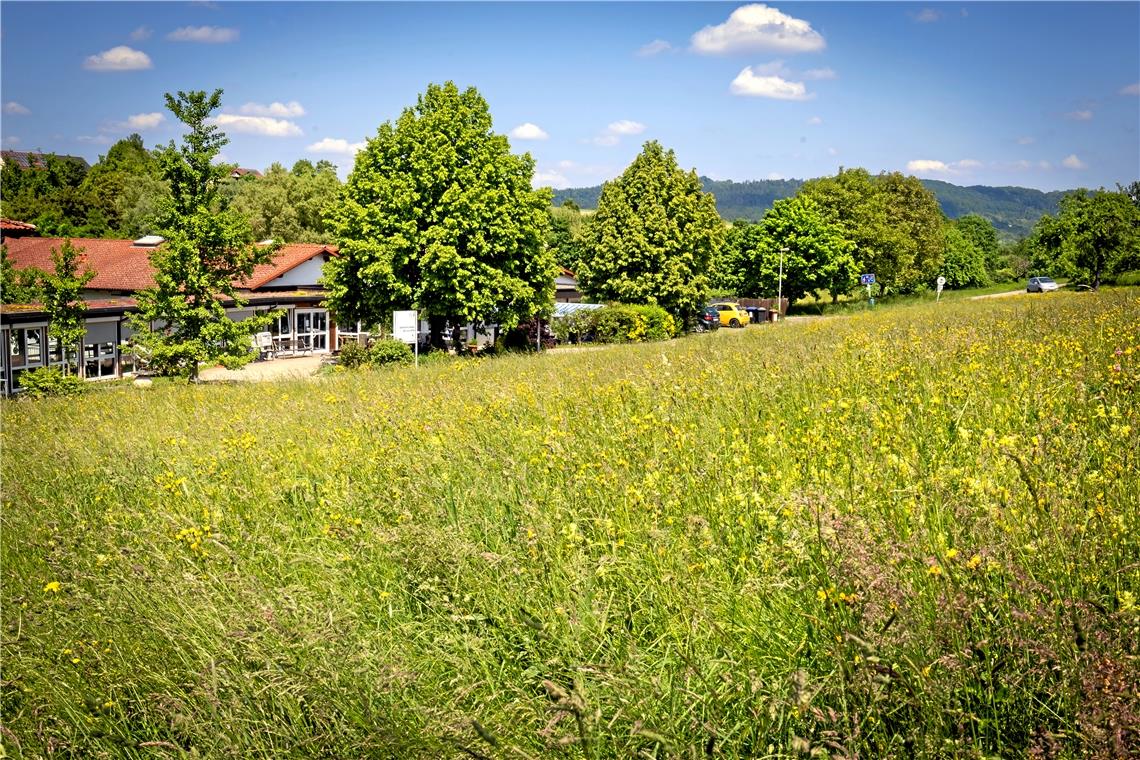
(934, 570)
(52, 588)
(951, 553)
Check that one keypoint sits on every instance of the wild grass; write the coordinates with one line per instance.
(910, 532)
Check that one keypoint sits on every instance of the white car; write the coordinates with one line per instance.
(1041, 285)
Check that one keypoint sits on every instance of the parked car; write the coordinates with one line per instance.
(708, 319)
(731, 314)
(1041, 285)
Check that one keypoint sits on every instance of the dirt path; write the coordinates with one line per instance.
(1005, 294)
(278, 369)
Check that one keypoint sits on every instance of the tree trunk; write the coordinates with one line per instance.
(436, 327)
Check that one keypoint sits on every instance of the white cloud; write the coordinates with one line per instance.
(775, 175)
(967, 163)
(1079, 115)
(142, 33)
(528, 131)
(121, 58)
(10, 140)
(833, 151)
(1024, 165)
(336, 145)
(617, 130)
(654, 48)
(1072, 162)
(824, 73)
(756, 28)
(12, 108)
(288, 110)
(748, 83)
(1132, 89)
(815, 121)
(927, 166)
(927, 16)
(144, 120)
(257, 125)
(549, 179)
(1026, 140)
(94, 139)
(207, 34)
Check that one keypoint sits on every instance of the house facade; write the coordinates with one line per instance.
(290, 283)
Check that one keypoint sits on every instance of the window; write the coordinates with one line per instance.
(56, 357)
(99, 360)
(282, 329)
(25, 351)
(312, 330)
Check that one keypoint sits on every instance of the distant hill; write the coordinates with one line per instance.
(1012, 210)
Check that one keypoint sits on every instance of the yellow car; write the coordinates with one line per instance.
(731, 315)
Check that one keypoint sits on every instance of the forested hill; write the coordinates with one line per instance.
(1013, 210)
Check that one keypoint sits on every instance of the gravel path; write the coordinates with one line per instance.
(277, 369)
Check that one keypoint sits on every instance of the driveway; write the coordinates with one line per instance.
(277, 369)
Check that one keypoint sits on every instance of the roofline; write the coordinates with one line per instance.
(281, 272)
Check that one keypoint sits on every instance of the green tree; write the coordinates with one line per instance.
(61, 293)
(566, 236)
(982, 235)
(963, 264)
(1094, 235)
(438, 215)
(654, 237)
(16, 285)
(793, 236)
(207, 248)
(116, 184)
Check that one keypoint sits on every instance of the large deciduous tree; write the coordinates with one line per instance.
(438, 215)
(1093, 236)
(963, 263)
(815, 254)
(654, 237)
(182, 320)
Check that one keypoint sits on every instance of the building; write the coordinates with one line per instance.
(290, 283)
(29, 160)
(10, 228)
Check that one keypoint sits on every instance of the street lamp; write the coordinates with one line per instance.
(780, 287)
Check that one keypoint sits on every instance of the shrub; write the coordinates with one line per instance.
(50, 381)
(658, 323)
(353, 355)
(617, 323)
(390, 351)
(576, 327)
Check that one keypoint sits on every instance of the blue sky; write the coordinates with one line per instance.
(1043, 95)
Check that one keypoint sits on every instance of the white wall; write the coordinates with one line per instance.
(308, 273)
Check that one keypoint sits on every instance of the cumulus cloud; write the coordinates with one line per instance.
(12, 108)
(617, 130)
(528, 131)
(94, 139)
(749, 83)
(927, 16)
(257, 125)
(1072, 162)
(1079, 115)
(142, 121)
(120, 58)
(654, 48)
(758, 28)
(1132, 89)
(933, 166)
(775, 175)
(815, 121)
(207, 34)
(824, 73)
(288, 110)
(336, 145)
(142, 33)
(549, 178)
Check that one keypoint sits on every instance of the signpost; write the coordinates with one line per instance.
(941, 281)
(406, 327)
(868, 280)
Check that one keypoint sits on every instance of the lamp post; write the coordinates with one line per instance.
(780, 286)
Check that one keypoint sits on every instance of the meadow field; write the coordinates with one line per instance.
(910, 532)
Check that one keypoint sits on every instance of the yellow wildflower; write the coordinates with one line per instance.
(52, 588)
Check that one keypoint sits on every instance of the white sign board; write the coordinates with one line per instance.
(405, 326)
(941, 281)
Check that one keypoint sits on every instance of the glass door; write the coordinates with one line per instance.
(312, 330)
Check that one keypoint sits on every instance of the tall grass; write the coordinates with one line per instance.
(906, 533)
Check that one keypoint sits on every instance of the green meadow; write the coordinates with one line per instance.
(907, 532)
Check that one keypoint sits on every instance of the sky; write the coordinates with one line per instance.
(1041, 95)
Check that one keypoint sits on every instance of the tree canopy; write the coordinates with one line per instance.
(289, 206)
(182, 320)
(438, 215)
(1095, 235)
(653, 238)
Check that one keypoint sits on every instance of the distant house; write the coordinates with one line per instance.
(10, 229)
(29, 160)
(566, 287)
(239, 172)
(290, 283)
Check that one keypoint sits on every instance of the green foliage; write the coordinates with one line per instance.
(207, 248)
(390, 351)
(16, 285)
(51, 197)
(289, 206)
(983, 237)
(818, 256)
(1095, 235)
(566, 235)
(617, 323)
(43, 382)
(61, 293)
(438, 215)
(653, 238)
(963, 264)
(353, 355)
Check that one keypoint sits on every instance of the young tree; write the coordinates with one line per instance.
(438, 215)
(653, 238)
(61, 293)
(816, 255)
(182, 320)
(1094, 235)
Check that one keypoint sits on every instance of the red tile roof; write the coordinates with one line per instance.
(119, 265)
(12, 224)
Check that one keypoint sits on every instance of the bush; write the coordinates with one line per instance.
(353, 355)
(617, 323)
(658, 323)
(390, 351)
(50, 381)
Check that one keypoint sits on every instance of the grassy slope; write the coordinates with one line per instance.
(907, 531)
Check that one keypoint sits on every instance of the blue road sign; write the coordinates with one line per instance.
(866, 279)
